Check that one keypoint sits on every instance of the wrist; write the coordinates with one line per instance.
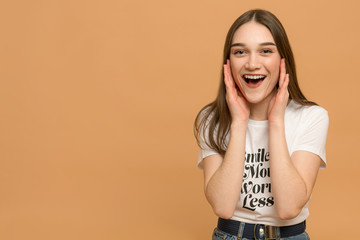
(238, 125)
(279, 124)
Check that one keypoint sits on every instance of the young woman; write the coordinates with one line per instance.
(262, 142)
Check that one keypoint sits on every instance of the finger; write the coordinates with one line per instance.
(286, 82)
(284, 87)
(282, 72)
(238, 91)
(227, 80)
(225, 74)
(233, 85)
(228, 69)
(226, 77)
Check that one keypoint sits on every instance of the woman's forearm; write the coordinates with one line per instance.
(224, 187)
(289, 189)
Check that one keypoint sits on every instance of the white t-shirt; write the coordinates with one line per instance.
(305, 129)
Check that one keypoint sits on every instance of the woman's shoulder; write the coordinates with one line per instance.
(298, 115)
(306, 118)
(295, 108)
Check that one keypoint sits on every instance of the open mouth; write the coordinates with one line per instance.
(253, 80)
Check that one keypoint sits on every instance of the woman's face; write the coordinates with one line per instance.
(255, 62)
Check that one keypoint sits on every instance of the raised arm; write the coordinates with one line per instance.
(223, 175)
(292, 178)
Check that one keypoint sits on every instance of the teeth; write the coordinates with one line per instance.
(253, 76)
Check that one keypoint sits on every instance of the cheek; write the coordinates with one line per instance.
(236, 66)
(276, 74)
(274, 68)
(234, 72)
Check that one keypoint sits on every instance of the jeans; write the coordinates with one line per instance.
(220, 235)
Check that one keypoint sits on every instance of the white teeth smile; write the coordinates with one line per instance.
(254, 76)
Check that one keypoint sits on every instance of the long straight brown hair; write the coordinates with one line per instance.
(213, 121)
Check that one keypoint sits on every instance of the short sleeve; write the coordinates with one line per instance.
(312, 137)
(204, 149)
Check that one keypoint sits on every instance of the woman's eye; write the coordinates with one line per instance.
(266, 51)
(239, 52)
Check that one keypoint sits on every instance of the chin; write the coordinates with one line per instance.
(254, 99)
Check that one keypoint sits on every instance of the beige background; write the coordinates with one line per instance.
(97, 102)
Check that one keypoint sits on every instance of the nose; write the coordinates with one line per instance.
(252, 63)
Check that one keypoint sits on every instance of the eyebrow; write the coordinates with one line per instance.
(261, 44)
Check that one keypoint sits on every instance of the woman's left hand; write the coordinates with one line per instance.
(278, 103)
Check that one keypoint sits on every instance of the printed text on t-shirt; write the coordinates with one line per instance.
(256, 166)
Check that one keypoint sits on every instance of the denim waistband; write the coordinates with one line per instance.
(248, 230)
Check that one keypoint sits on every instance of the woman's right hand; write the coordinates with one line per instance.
(238, 105)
